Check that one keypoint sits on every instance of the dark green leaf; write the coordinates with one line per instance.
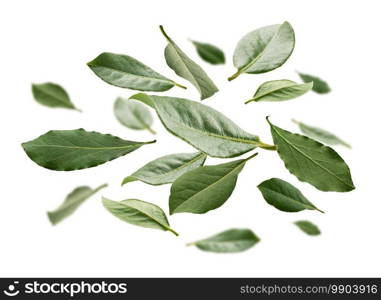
(167, 169)
(138, 213)
(280, 90)
(210, 53)
(264, 49)
(320, 86)
(205, 188)
(311, 161)
(229, 241)
(72, 202)
(183, 66)
(127, 72)
(67, 150)
(308, 227)
(133, 114)
(321, 135)
(201, 126)
(284, 196)
(52, 95)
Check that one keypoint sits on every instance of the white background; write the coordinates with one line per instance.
(52, 41)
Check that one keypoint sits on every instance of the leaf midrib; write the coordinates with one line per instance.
(261, 53)
(305, 155)
(180, 167)
(86, 148)
(133, 75)
(147, 215)
(275, 90)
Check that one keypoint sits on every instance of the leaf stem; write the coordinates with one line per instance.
(319, 210)
(250, 100)
(78, 110)
(179, 85)
(174, 232)
(234, 76)
(164, 33)
(251, 156)
(100, 187)
(190, 244)
(150, 130)
(267, 146)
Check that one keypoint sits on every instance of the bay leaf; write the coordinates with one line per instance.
(210, 53)
(186, 68)
(320, 86)
(205, 188)
(138, 212)
(229, 241)
(280, 90)
(127, 72)
(67, 150)
(72, 202)
(133, 114)
(52, 95)
(308, 227)
(264, 49)
(284, 196)
(167, 169)
(311, 161)
(201, 126)
(321, 135)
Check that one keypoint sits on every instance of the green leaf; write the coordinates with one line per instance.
(72, 202)
(139, 213)
(52, 95)
(320, 86)
(321, 135)
(167, 169)
(308, 227)
(186, 68)
(201, 126)
(67, 150)
(127, 72)
(311, 161)
(229, 241)
(205, 188)
(133, 115)
(284, 196)
(210, 53)
(280, 90)
(264, 49)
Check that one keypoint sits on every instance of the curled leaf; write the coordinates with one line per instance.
(127, 72)
(186, 68)
(133, 114)
(264, 49)
(280, 90)
(320, 86)
(138, 212)
(167, 169)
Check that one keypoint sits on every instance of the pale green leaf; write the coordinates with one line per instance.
(186, 68)
(167, 169)
(308, 227)
(139, 213)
